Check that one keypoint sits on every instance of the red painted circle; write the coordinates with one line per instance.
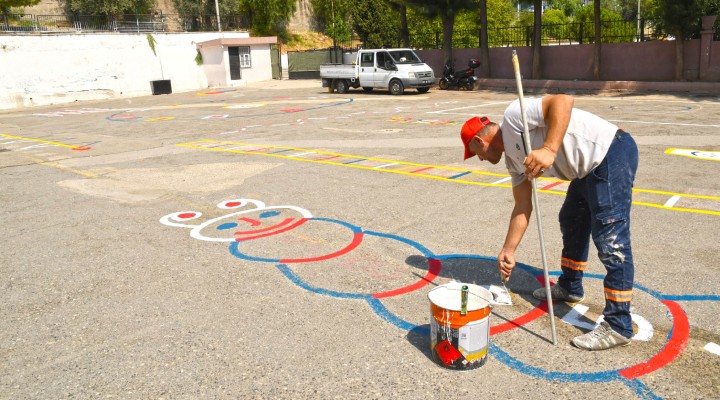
(186, 215)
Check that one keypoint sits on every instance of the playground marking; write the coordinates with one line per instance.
(699, 154)
(47, 142)
(713, 348)
(667, 200)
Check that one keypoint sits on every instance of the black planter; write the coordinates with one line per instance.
(161, 86)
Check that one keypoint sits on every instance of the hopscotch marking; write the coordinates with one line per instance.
(43, 143)
(437, 172)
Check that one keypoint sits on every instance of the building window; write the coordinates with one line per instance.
(245, 57)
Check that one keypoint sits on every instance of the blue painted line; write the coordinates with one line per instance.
(354, 228)
(459, 175)
(692, 297)
(356, 161)
(281, 151)
(234, 250)
(512, 362)
(385, 314)
(640, 389)
(647, 290)
(426, 252)
(296, 280)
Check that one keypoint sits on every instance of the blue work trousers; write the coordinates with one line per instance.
(598, 206)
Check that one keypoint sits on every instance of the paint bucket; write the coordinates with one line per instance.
(459, 340)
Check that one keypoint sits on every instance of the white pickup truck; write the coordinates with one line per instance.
(392, 69)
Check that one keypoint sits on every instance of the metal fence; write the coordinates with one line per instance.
(570, 33)
(125, 23)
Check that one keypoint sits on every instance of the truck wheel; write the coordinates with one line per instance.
(444, 84)
(367, 89)
(423, 89)
(396, 87)
(342, 86)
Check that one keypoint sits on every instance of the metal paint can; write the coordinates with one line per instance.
(457, 340)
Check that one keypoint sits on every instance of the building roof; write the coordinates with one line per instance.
(238, 41)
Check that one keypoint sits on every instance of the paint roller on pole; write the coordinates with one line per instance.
(536, 205)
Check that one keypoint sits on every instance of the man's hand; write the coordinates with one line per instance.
(506, 263)
(538, 161)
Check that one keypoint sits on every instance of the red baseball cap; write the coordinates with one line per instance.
(469, 129)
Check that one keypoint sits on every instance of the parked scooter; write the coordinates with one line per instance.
(462, 80)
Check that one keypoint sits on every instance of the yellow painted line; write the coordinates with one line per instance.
(45, 141)
(696, 154)
(258, 149)
(68, 169)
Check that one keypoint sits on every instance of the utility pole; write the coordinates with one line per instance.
(217, 12)
(638, 23)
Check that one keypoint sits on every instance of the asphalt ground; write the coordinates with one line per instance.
(121, 278)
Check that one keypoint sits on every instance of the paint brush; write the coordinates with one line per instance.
(502, 297)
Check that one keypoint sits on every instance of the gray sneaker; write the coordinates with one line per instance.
(601, 338)
(558, 293)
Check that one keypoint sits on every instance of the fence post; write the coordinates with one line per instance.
(642, 29)
(580, 41)
(527, 36)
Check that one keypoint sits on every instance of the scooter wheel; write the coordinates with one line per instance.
(443, 84)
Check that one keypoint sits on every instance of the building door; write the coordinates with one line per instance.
(234, 53)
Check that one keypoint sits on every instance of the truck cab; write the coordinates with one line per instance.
(391, 69)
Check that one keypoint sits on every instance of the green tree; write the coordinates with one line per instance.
(568, 7)
(401, 9)
(332, 17)
(5, 5)
(268, 17)
(680, 18)
(555, 22)
(374, 21)
(446, 10)
(110, 8)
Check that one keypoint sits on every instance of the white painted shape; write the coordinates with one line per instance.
(713, 348)
(573, 318)
(672, 201)
(644, 333)
(645, 329)
(385, 165)
(503, 180)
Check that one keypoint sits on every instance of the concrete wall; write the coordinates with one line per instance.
(53, 69)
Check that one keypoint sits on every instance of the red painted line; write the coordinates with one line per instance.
(674, 346)
(434, 268)
(285, 222)
(552, 185)
(82, 148)
(287, 228)
(534, 314)
(357, 239)
(252, 222)
(420, 170)
(326, 158)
